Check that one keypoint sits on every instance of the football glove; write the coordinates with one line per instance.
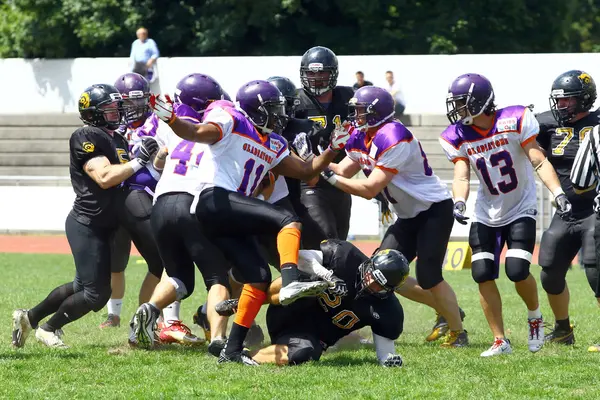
(337, 286)
(563, 206)
(148, 148)
(340, 136)
(384, 208)
(597, 204)
(302, 146)
(393, 360)
(163, 108)
(459, 212)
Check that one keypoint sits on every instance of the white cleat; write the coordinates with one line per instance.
(143, 325)
(50, 339)
(21, 327)
(535, 338)
(500, 346)
(297, 290)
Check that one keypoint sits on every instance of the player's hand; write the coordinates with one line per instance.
(329, 176)
(162, 107)
(337, 286)
(563, 206)
(393, 360)
(340, 136)
(597, 204)
(148, 148)
(384, 208)
(459, 212)
(302, 146)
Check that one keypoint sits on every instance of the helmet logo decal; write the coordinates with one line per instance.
(84, 101)
(115, 96)
(379, 277)
(585, 78)
(135, 94)
(87, 146)
(315, 67)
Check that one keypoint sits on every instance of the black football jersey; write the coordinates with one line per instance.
(561, 144)
(335, 112)
(94, 205)
(294, 127)
(341, 315)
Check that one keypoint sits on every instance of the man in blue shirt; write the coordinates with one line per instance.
(144, 54)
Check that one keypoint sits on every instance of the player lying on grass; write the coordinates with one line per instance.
(360, 294)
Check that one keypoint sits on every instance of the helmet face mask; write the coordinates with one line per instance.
(573, 92)
(135, 90)
(370, 107)
(469, 96)
(381, 274)
(101, 106)
(319, 70)
(264, 106)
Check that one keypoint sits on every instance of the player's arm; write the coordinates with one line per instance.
(107, 175)
(543, 167)
(208, 133)
(460, 183)
(294, 167)
(583, 171)
(346, 168)
(366, 188)
(160, 159)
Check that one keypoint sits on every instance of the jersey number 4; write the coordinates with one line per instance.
(183, 153)
(506, 170)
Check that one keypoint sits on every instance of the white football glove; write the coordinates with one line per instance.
(302, 146)
(597, 204)
(393, 360)
(340, 136)
(163, 108)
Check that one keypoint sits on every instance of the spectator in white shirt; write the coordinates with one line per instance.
(394, 89)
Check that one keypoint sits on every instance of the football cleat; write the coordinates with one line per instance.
(500, 346)
(393, 360)
(535, 338)
(227, 308)
(112, 321)
(255, 336)
(594, 348)
(50, 339)
(178, 332)
(562, 336)
(201, 320)
(456, 339)
(241, 357)
(21, 327)
(297, 290)
(143, 324)
(216, 346)
(440, 327)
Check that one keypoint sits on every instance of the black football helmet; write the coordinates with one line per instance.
(389, 268)
(288, 90)
(315, 61)
(576, 84)
(102, 106)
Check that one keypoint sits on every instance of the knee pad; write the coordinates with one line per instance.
(553, 280)
(517, 264)
(180, 288)
(97, 297)
(301, 351)
(483, 267)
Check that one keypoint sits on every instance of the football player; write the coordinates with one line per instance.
(562, 129)
(321, 100)
(497, 144)
(362, 295)
(99, 163)
(395, 165)
(240, 147)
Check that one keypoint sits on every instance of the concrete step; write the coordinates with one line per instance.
(40, 120)
(18, 171)
(426, 132)
(35, 160)
(34, 146)
(27, 132)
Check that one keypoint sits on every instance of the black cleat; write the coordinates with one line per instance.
(255, 336)
(227, 308)
(562, 336)
(216, 346)
(241, 357)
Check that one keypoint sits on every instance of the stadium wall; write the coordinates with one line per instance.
(53, 86)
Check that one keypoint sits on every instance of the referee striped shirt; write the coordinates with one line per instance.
(585, 171)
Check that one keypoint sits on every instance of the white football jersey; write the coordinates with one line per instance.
(242, 157)
(280, 190)
(507, 189)
(414, 187)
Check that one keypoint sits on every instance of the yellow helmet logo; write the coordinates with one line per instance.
(88, 147)
(585, 78)
(84, 100)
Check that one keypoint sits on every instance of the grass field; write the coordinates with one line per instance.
(100, 365)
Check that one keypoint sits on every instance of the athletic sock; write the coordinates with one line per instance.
(249, 305)
(563, 324)
(114, 306)
(537, 313)
(171, 313)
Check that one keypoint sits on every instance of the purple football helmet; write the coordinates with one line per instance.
(263, 104)
(469, 96)
(135, 90)
(371, 106)
(198, 91)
